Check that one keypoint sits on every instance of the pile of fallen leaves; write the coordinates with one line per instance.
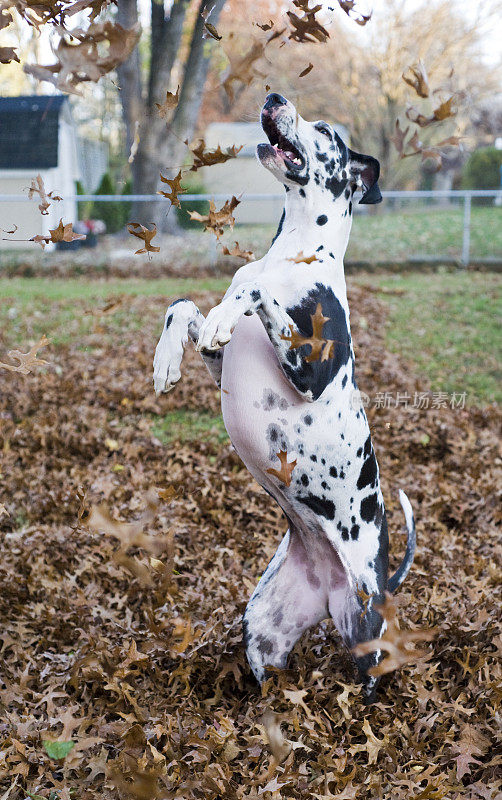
(126, 564)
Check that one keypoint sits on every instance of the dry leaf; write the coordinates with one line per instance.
(301, 258)
(394, 642)
(37, 187)
(81, 59)
(8, 54)
(306, 70)
(416, 77)
(26, 360)
(279, 747)
(175, 189)
(135, 143)
(207, 158)
(216, 220)
(169, 103)
(306, 28)
(321, 348)
(238, 253)
(242, 69)
(348, 6)
(139, 230)
(286, 470)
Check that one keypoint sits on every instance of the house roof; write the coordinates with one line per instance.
(29, 127)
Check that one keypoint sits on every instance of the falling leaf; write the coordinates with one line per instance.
(306, 28)
(9, 233)
(8, 54)
(146, 235)
(306, 70)
(442, 112)
(135, 143)
(266, 26)
(238, 253)
(26, 360)
(416, 77)
(394, 642)
(210, 32)
(207, 158)
(175, 189)
(365, 598)
(79, 59)
(57, 750)
(286, 470)
(321, 348)
(37, 187)
(169, 103)
(399, 137)
(242, 69)
(216, 220)
(348, 6)
(301, 258)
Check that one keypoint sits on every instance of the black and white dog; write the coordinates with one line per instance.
(291, 406)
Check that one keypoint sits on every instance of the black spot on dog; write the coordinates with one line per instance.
(359, 452)
(245, 632)
(319, 505)
(313, 458)
(322, 219)
(255, 295)
(369, 507)
(277, 618)
(181, 300)
(350, 207)
(342, 474)
(367, 447)
(304, 479)
(368, 474)
(331, 254)
(345, 534)
(264, 645)
(344, 381)
(354, 531)
(307, 419)
(342, 436)
(347, 193)
(168, 321)
(321, 156)
(302, 192)
(316, 375)
(281, 223)
(321, 247)
(333, 472)
(324, 485)
(335, 186)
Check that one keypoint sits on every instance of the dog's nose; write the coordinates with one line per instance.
(275, 99)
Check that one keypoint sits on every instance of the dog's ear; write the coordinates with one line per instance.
(367, 169)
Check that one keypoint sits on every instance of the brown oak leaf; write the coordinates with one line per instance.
(306, 70)
(26, 360)
(416, 77)
(321, 348)
(169, 103)
(146, 235)
(216, 220)
(285, 472)
(238, 253)
(8, 54)
(348, 6)
(175, 189)
(306, 28)
(37, 187)
(301, 258)
(207, 158)
(242, 69)
(394, 642)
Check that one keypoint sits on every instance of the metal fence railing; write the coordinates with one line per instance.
(396, 199)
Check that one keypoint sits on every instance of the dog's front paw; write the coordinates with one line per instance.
(216, 330)
(168, 357)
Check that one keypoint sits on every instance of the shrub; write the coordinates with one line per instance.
(482, 171)
(112, 213)
(202, 206)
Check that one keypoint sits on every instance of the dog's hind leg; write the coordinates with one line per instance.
(290, 598)
(182, 321)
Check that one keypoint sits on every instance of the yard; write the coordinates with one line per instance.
(130, 646)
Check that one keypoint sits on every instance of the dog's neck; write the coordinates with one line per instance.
(311, 221)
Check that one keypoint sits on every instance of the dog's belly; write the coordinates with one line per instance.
(255, 396)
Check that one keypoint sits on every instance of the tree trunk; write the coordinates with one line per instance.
(161, 147)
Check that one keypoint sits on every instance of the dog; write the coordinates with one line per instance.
(279, 347)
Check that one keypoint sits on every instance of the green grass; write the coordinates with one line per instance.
(183, 425)
(448, 325)
(387, 235)
(30, 307)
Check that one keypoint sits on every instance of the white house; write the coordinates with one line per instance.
(37, 136)
(244, 173)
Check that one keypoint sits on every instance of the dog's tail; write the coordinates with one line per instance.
(396, 580)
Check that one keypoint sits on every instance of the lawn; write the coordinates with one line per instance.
(123, 643)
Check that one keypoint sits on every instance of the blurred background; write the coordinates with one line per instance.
(97, 145)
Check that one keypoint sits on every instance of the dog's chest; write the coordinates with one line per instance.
(264, 415)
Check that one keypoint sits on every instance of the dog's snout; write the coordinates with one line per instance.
(275, 99)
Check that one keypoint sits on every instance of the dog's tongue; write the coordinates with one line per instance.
(291, 156)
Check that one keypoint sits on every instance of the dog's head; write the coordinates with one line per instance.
(312, 155)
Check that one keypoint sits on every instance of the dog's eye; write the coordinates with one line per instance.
(325, 130)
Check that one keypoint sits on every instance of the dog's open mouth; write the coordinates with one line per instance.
(283, 147)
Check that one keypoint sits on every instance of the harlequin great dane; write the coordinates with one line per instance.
(280, 348)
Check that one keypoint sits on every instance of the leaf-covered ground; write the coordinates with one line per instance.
(129, 646)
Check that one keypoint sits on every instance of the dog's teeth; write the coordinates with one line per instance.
(276, 146)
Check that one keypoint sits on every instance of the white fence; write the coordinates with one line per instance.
(396, 198)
